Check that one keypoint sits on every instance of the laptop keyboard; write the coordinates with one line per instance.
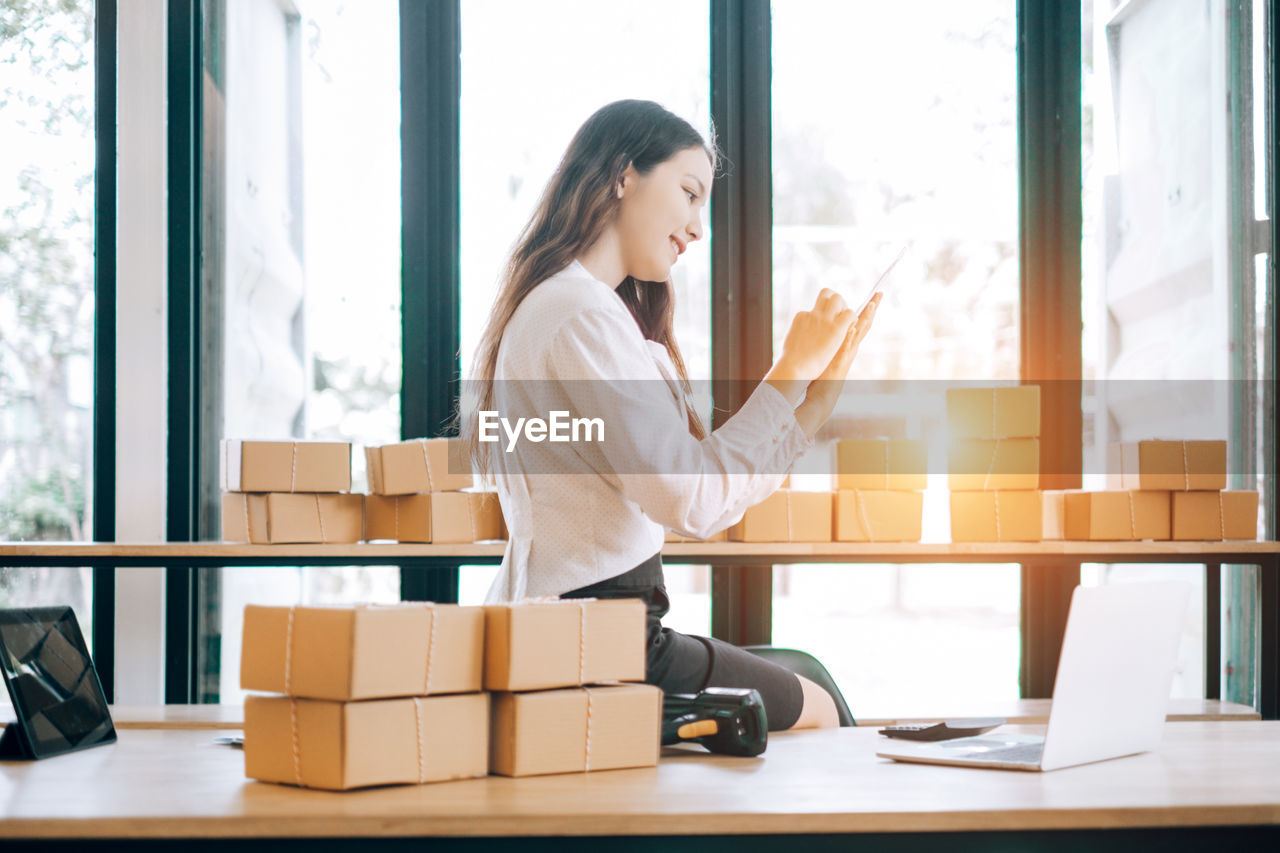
(1023, 753)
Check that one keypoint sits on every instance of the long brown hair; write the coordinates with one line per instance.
(576, 206)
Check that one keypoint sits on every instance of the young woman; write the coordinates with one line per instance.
(583, 324)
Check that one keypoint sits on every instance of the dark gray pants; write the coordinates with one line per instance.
(680, 663)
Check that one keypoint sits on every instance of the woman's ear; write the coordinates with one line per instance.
(626, 180)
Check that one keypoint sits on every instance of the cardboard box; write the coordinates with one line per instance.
(981, 464)
(1215, 515)
(787, 515)
(400, 518)
(267, 519)
(341, 745)
(672, 536)
(576, 730)
(1053, 518)
(1116, 515)
(1011, 412)
(471, 516)
(363, 651)
(286, 466)
(997, 516)
(1176, 466)
(539, 645)
(419, 465)
(882, 464)
(878, 516)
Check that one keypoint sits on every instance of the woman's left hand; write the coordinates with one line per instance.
(822, 393)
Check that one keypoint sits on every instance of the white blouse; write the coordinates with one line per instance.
(580, 512)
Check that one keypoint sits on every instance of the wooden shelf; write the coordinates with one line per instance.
(890, 552)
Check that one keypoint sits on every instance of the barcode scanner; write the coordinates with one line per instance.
(726, 720)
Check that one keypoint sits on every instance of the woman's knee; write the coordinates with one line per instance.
(818, 710)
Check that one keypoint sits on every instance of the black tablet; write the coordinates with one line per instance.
(54, 687)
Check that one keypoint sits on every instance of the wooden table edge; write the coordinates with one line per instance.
(642, 824)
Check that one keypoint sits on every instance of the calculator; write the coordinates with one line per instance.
(943, 731)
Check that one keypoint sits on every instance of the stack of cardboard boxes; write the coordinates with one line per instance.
(993, 464)
(1157, 490)
(289, 491)
(421, 491)
(879, 489)
(558, 671)
(368, 695)
(378, 695)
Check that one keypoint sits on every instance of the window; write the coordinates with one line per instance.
(46, 293)
(510, 83)
(302, 185)
(874, 149)
(1174, 278)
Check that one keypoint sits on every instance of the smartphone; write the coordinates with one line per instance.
(882, 283)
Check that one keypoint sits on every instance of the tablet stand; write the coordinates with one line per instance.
(13, 743)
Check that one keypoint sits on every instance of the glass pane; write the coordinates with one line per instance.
(908, 153)
(632, 50)
(286, 586)
(46, 271)
(302, 176)
(510, 82)
(46, 294)
(310, 263)
(1159, 302)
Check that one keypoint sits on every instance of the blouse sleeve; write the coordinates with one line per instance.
(600, 361)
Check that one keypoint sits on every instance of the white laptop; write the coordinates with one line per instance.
(1111, 693)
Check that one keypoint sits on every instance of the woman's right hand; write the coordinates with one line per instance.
(812, 341)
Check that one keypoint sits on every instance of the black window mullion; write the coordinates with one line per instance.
(1269, 585)
(1049, 223)
(104, 338)
(741, 267)
(430, 155)
(184, 105)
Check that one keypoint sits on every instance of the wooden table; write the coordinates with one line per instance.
(181, 557)
(176, 784)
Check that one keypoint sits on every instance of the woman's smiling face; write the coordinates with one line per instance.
(661, 213)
